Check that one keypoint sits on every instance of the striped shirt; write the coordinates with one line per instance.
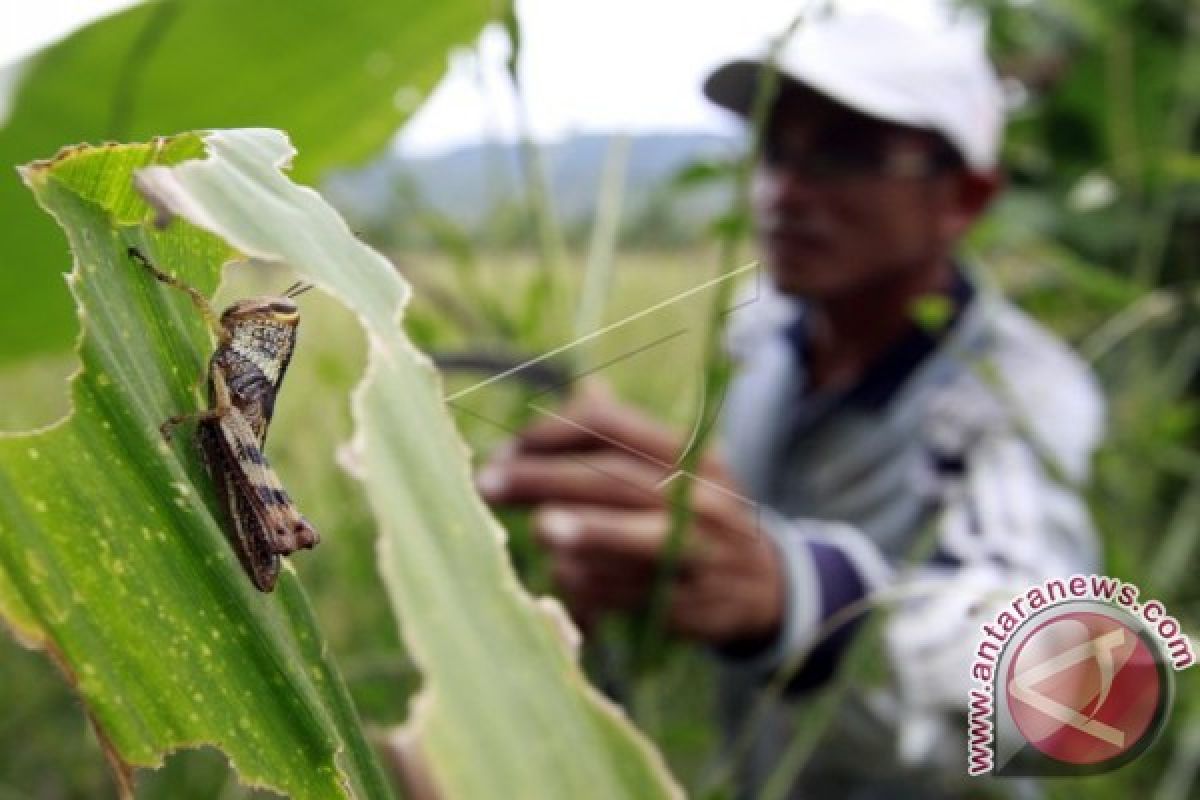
(980, 434)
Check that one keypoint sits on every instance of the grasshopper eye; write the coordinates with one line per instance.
(283, 308)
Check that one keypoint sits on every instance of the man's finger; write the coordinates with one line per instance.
(603, 478)
(603, 533)
(723, 506)
(582, 586)
(596, 421)
(602, 569)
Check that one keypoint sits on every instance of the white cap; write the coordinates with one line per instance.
(935, 77)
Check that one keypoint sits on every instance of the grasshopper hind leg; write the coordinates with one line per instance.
(201, 302)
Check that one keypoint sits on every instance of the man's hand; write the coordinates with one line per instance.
(598, 474)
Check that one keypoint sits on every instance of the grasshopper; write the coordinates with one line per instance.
(255, 340)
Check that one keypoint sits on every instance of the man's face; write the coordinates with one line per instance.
(844, 203)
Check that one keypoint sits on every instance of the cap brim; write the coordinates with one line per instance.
(733, 86)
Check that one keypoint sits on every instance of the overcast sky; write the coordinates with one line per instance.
(587, 65)
(29, 26)
(605, 65)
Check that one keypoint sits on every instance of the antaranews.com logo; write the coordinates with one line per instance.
(1073, 677)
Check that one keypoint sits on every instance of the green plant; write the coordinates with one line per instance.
(112, 557)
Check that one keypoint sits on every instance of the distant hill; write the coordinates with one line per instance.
(469, 184)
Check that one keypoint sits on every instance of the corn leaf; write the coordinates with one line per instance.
(111, 555)
(505, 710)
(341, 77)
(112, 559)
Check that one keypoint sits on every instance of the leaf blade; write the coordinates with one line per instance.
(109, 554)
(505, 709)
(341, 77)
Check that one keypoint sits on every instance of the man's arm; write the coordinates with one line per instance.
(598, 476)
(770, 592)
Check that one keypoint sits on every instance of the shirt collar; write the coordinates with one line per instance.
(892, 368)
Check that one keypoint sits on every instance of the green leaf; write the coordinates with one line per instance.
(341, 77)
(505, 710)
(111, 556)
(703, 172)
(112, 559)
(931, 312)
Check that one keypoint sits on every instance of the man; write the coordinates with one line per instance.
(895, 411)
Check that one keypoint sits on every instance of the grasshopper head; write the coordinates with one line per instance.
(279, 310)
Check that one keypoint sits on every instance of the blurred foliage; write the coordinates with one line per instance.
(1107, 98)
(1099, 236)
(340, 77)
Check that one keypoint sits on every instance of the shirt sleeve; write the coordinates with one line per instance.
(1005, 520)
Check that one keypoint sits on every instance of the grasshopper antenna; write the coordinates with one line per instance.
(296, 289)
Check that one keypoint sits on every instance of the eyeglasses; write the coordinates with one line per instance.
(854, 152)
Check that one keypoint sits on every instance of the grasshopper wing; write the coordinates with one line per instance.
(259, 488)
(243, 525)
